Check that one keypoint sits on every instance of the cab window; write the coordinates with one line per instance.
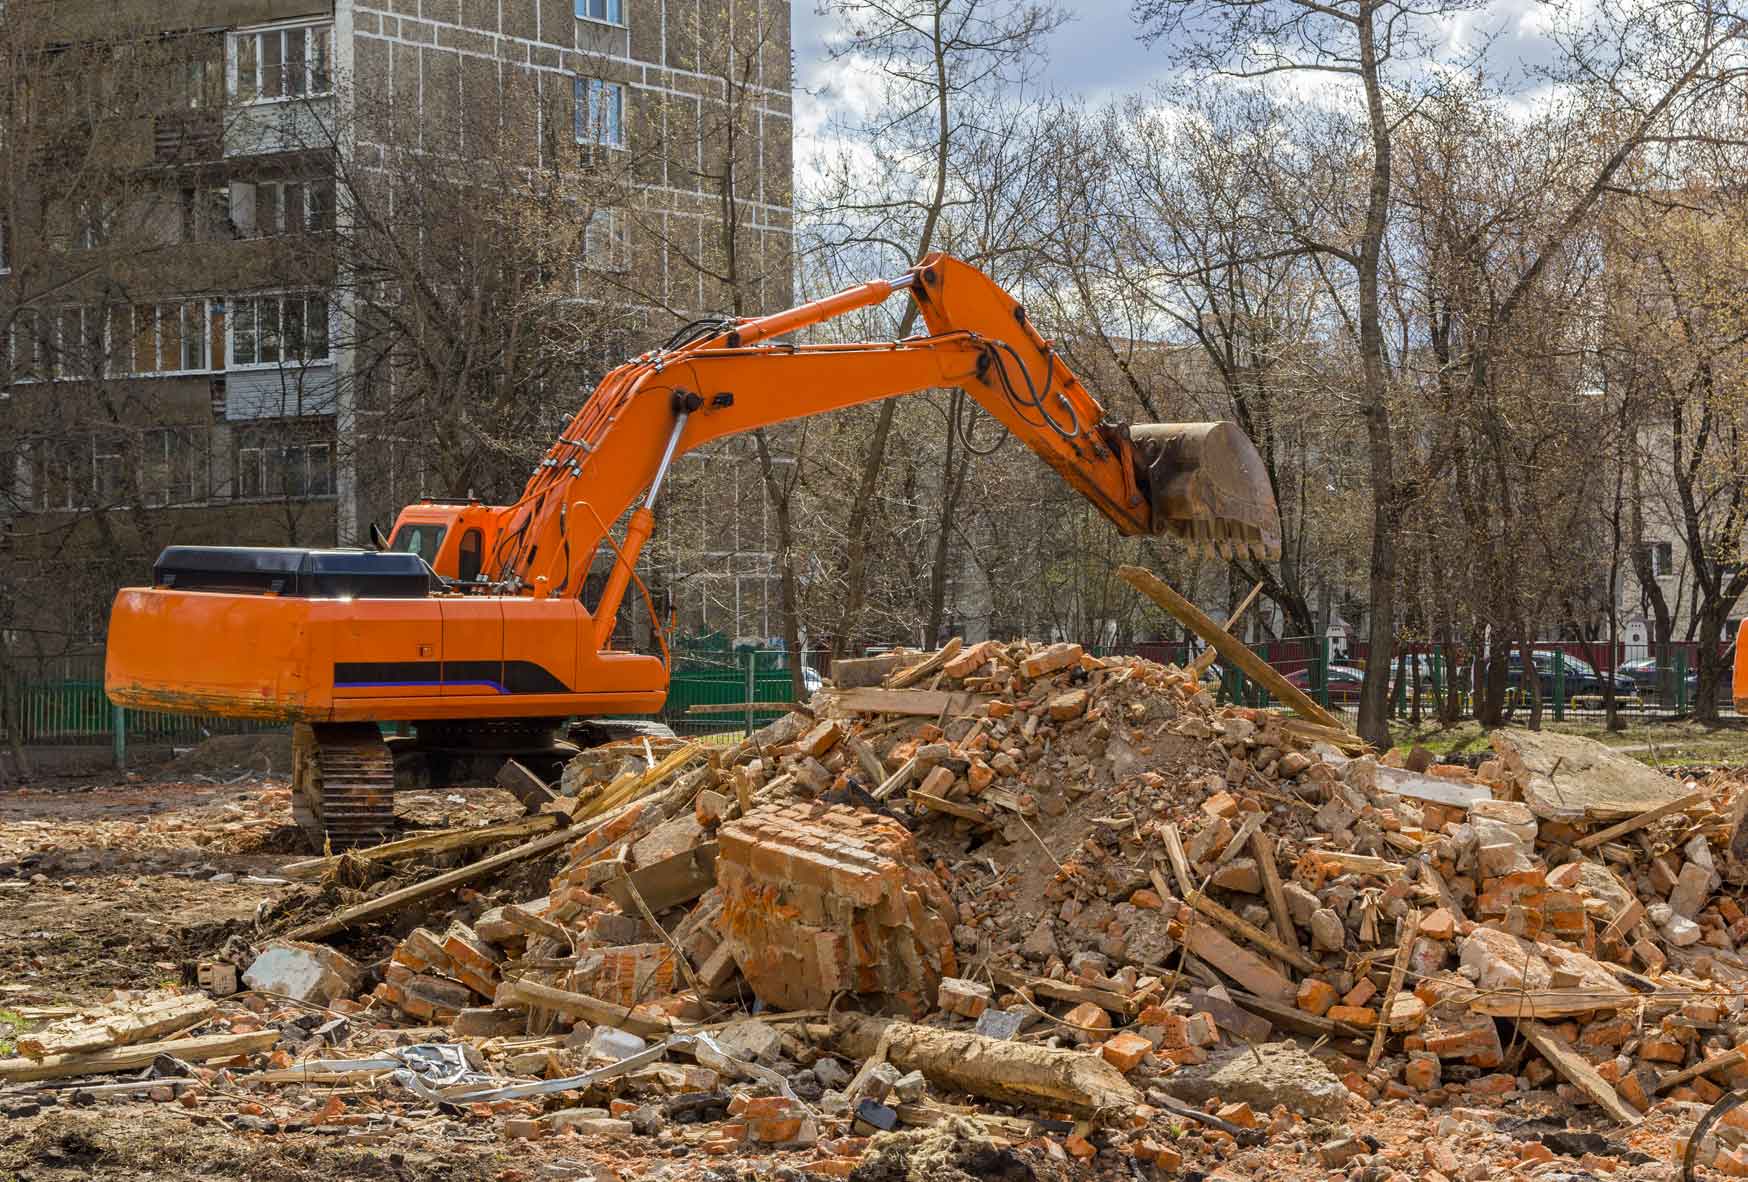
(422, 540)
(468, 558)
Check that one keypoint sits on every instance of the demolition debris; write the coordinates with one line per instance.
(1009, 896)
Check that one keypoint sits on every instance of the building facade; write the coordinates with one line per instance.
(228, 316)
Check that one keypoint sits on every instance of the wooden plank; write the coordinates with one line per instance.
(1252, 823)
(1577, 1070)
(1231, 1017)
(1262, 848)
(438, 841)
(525, 786)
(1360, 863)
(1550, 1003)
(1243, 927)
(1290, 1017)
(1639, 822)
(443, 883)
(1242, 965)
(118, 1027)
(952, 808)
(929, 703)
(1719, 1062)
(1308, 732)
(582, 1005)
(897, 779)
(743, 707)
(1205, 660)
(1116, 1003)
(915, 673)
(1624, 922)
(194, 1050)
(1257, 669)
(1406, 933)
(1180, 862)
(870, 762)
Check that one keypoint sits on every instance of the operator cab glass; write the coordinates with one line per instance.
(468, 560)
(422, 540)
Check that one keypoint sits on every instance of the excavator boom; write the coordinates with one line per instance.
(473, 626)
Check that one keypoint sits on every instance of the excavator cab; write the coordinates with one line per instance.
(453, 537)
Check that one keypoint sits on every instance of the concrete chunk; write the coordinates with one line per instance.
(306, 972)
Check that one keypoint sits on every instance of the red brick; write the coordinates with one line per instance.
(1124, 1051)
(1316, 997)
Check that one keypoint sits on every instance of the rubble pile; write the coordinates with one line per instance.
(1068, 905)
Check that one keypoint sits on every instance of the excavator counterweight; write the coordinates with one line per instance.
(472, 625)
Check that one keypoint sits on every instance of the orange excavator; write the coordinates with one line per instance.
(469, 621)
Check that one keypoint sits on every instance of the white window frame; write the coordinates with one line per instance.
(315, 33)
(169, 444)
(308, 191)
(613, 11)
(589, 125)
(234, 309)
(268, 458)
(208, 307)
(58, 371)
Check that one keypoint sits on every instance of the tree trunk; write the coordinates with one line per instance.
(953, 473)
(1711, 660)
(778, 494)
(1532, 681)
(1374, 725)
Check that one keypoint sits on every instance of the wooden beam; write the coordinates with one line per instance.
(1202, 662)
(1238, 925)
(194, 1050)
(1262, 848)
(1718, 1062)
(1406, 933)
(915, 673)
(1180, 862)
(1639, 822)
(582, 1005)
(929, 703)
(438, 841)
(1577, 1070)
(1116, 1003)
(1242, 965)
(897, 779)
(1197, 621)
(1550, 1003)
(952, 808)
(443, 883)
(118, 1026)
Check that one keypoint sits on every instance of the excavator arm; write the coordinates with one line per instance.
(1201, 481)
(489, 661)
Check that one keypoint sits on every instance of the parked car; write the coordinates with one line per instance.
(1577, 678)
(1343, 682)
(1648, 676)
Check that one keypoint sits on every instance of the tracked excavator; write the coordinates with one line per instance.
(470, 623)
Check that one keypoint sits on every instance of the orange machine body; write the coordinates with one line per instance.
(501, 632)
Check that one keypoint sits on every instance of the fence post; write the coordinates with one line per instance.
(1559, 684)
(118, 735)
(1681, 680)
(752, 664)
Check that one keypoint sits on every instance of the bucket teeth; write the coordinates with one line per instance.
(1227, 540)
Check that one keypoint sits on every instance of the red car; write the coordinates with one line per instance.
(1343, 682)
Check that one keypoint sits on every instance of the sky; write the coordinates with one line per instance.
(1096, 54)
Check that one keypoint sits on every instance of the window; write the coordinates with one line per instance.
(1661, 556)
(469, 555)
(611, 11)
(70, 342)
(272, 64)
(172, 337)
(269, 467)
(92, 228)
(263, 209)
(600, 112)
(605, 244)
(173, 466)
(422, 540)
(206, 215)
(274, 329)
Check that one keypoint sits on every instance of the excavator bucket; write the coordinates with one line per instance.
(1207, 485)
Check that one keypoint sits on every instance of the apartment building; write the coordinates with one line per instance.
(212, 262)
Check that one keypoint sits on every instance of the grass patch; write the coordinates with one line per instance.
(1655, 742)
(11, 1026)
